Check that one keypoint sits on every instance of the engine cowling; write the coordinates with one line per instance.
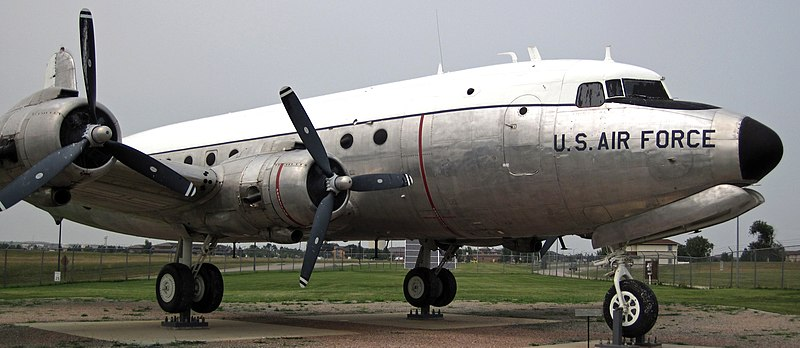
(277, 195)
(37, 127)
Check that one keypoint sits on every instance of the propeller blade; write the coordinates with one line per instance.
(150, 167)
(547, 244)
(306, 129)
(377, 182)
(88, 57)
(39, 174)
(318, 229)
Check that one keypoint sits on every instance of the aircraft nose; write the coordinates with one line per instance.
(760, 149)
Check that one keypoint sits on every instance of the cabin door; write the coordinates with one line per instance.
(522, 146)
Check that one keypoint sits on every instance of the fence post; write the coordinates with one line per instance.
(41, 268)
(755, 268)
(730, 283)
(674, 271)
(126, 264)
(5, 262)
(72, 273)
(101, 266)
(783, 263)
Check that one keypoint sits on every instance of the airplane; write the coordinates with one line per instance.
(516, 154)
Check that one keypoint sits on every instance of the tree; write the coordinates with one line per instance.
(765, 239)
(698, 246)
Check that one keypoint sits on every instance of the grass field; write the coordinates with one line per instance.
(372, 286)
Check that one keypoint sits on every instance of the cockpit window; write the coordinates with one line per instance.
(644, 89)
(614, 88)
(589, 95)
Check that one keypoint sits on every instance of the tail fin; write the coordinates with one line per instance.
(60, 71)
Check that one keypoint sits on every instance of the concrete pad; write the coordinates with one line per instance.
(449, 322)
(593, 343)
(151, 332)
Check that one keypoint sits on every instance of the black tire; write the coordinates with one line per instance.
(421, 287)
(449, 288)
(174, 288)
(644, 308)
(208, 289)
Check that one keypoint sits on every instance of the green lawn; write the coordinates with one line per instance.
(375, 286)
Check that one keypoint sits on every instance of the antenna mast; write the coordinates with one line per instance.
(439, 37)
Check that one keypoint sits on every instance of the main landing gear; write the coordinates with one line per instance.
(424, 287)
(182, 287)
(638, 303)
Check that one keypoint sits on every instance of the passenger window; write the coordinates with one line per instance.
(614, 88)
(589, 95)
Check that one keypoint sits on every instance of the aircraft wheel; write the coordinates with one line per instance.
(643, 308)
(421, 287)
(449, 288)
(174, 287)
(208, 289)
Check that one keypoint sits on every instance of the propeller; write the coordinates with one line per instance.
(334, 183)
(86, 25)
(95, 136)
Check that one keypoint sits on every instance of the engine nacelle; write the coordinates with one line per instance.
(523, 245)
(277, 195)
(40, 125)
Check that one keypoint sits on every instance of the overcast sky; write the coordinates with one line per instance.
(161, 62)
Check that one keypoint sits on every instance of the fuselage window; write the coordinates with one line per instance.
(211, 158)
(188, 160)
(590, 94)
(380, 136)
(346, 141)
(614, 88)
(645, 89)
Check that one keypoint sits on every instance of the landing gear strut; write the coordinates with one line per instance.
(424, 287)
(182, 287)
(638, 303)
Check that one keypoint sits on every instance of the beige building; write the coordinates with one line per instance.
(663, 250)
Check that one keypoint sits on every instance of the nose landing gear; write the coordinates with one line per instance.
(637, 301)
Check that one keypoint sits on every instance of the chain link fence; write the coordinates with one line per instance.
(763, 268)
(23, 267)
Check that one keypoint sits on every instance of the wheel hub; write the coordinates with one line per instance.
(167, 287)
(416, 287)
(630, 308)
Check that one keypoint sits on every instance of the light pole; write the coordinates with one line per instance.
(737, 251)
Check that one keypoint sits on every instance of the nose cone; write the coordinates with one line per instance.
(760, 149)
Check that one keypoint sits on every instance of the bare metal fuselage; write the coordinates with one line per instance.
(514, 159)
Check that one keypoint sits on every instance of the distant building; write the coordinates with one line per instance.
(663, 250)
(412, 252)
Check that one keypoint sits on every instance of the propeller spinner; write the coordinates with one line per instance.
(335, 184)
(95, 135)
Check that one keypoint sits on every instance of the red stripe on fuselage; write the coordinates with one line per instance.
(438, 216)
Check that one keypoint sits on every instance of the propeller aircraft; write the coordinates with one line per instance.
(516, 154)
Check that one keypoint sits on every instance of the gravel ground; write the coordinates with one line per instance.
(717, 326)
